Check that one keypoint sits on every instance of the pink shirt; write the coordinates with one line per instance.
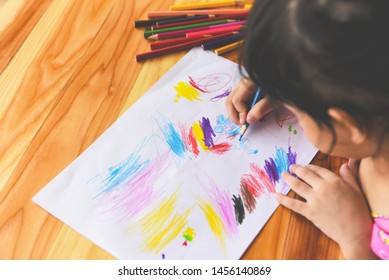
(380, 236)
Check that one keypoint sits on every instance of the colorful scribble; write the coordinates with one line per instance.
(189, 234)
(221, 202)
(185, 142)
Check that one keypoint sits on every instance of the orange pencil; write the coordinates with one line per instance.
(209, 32)
(207, 5)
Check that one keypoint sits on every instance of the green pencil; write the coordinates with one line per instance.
(149, 33)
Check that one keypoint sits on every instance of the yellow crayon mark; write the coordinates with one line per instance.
(199, 135)
(214, 221)
(185, 90)
(189, 234)
(162, 225)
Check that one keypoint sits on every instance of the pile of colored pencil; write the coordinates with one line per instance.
(202, 24)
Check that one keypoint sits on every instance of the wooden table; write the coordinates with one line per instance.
(67, 72)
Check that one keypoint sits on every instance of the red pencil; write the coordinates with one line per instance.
(168, 43)
(205, 33)
(153, 14)
(179, 47)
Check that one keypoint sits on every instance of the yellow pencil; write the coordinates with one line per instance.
(207, 5)
(228, 47)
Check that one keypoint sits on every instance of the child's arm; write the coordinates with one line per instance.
(335, 204)
(239, 100)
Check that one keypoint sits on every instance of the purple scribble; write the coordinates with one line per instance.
(271, 170)
(292, 156)
(208, 132)
(220, 96)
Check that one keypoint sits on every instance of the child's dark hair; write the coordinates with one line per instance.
(318, 54)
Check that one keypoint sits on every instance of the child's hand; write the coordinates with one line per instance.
(335, 204)
(239, 101)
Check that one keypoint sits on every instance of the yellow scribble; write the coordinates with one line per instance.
(215, 222)
(162, 225)
(189, 234)
(185, 90)
(199, 135)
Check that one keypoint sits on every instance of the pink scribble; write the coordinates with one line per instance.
(138, 194)
(211, 83)
(222, 203)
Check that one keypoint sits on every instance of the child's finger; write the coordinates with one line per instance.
(347, 175)
(307, 175)
(321, 171)
(259, 110)
(296, 185)
(231, 111)
(293, 204)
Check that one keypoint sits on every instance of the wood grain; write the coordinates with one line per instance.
(70, 74)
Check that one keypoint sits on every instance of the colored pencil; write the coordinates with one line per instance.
(148, 33)
(231, 17)
(182, 33)
(229, 47)
(175, 34)
(154, 14)
(168, 43)
(182, 20)
(246, 124)
(206, 5)
(222, 42)
(151, 22)
(209, 32)
(176, 48)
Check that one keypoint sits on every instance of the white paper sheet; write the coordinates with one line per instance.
(170, 180)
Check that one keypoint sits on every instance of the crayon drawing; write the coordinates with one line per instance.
(170, 178)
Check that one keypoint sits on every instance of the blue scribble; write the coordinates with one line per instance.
(124, 172)
(173, 138)
(226, 126)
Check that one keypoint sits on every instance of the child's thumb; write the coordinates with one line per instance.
(347, 175)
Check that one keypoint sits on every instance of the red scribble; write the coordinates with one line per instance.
(193, 142)
(221, 148)
(264, 179)
(185, 243)
(193, 84)
(252, 185)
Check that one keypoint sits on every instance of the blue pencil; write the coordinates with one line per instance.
(246, 124)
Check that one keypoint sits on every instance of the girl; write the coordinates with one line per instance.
(327, 61)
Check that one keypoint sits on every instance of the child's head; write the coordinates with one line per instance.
(328, 60)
